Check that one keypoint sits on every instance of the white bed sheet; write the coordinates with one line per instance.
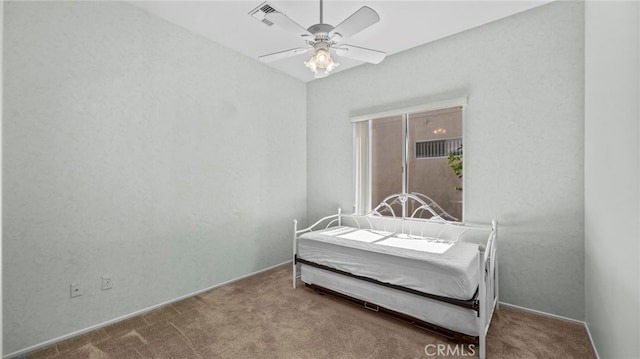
(452, 273)
(362, 235)
(416, 244)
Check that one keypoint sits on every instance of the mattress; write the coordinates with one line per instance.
(448, 316)
(448, 269)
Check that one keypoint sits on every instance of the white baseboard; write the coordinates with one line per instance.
(593, 344)
(50, 342)
(545, 314)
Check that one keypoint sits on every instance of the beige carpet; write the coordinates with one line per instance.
(263, 317)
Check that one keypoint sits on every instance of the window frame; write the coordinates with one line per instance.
(362, 149)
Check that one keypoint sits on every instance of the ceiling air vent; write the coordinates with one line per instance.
(261, 11)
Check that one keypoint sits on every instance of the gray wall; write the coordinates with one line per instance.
(524, 76)
(612, 177)
(136, 149)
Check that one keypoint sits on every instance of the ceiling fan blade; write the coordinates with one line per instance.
(289, 25)
(355, 23)
(283, 54)
(360, 53)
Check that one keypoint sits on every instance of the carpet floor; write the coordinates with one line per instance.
(263, 317)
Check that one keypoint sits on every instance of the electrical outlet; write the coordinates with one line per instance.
(106, 283)
(76, 290)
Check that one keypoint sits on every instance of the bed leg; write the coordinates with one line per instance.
(294, 274)
(295, 251)
(482, 297)
(496, 284)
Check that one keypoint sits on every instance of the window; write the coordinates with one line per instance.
(414, 150)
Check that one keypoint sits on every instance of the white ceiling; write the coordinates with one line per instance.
(403, 24)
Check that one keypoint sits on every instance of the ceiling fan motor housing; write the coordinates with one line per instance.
(320, 31)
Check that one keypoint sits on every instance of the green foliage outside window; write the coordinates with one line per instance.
(455, 163)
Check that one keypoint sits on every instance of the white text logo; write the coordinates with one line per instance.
(443, 350)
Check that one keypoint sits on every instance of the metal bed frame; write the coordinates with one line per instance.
(383, 217)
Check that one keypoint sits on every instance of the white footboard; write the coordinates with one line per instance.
(488, 286)
(326, 222)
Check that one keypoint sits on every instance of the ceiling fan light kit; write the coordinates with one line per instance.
(323, 38)
(321, 60)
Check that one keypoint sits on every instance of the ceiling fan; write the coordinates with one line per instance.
(324, 38)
